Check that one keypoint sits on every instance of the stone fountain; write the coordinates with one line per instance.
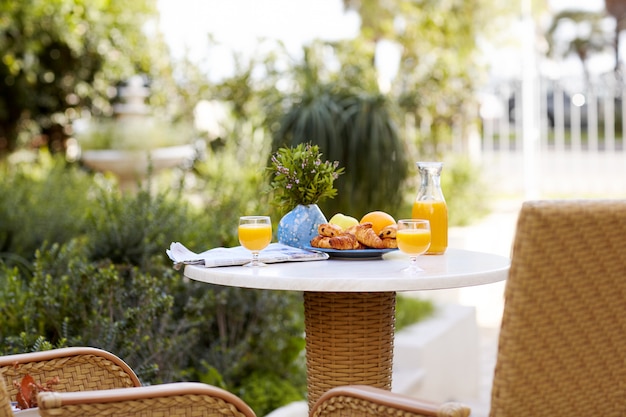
(133, 120)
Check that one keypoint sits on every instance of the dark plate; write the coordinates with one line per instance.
(353, 254)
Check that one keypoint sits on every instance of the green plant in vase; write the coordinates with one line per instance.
(300, 179)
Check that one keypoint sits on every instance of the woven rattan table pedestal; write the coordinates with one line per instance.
(349, 340)
(350, 305)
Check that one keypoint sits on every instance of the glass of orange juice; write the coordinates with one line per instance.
(413, 238)
(255, 233)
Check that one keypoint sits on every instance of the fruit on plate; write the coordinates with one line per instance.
(379, 220)
(343, 221)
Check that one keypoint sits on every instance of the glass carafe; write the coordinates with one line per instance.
(431, 205)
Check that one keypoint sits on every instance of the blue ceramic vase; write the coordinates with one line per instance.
(299, 226)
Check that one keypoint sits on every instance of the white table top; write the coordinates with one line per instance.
(456, 268)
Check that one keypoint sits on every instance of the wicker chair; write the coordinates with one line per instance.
(173, 399)
(78, 369)
(562, 347)
(361, 400)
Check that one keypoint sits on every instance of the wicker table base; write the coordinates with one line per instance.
(349, 340)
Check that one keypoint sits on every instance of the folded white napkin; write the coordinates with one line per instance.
(238, 255)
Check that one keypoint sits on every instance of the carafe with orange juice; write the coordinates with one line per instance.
(431, 205)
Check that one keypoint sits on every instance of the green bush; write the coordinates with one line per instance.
(264, 391)
(109, 284)
(105, 280)
(465, 191)
(134, 228)
(410, 310)
(41, 202)
(72, 301)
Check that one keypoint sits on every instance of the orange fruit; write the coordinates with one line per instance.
(379, 220)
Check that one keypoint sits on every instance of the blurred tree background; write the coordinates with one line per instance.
(64, 59)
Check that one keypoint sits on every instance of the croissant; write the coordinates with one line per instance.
(389, 231)
(390, 243)
(321, 242)
(352, 231)
(368, 237)
(344, 242)
(329, 230)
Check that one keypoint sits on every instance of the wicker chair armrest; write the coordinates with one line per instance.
(361, 400)
(171, 399)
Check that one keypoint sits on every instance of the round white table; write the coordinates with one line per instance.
(349, 305)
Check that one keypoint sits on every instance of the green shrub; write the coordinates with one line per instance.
(44, 201)
(465, 191)
(111, 285)
(263, 391)
(410, 310)
(71, 301)
(261, 337)
(135, 228)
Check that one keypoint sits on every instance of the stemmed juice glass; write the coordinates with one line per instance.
(413, 238)
(255, 233)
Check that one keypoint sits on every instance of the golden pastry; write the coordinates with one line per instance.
(390, 243)
(321, 242)
(345, 241)
(389, 231)
(329, 230)
(368, 237)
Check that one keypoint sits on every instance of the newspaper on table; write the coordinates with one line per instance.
(238, 255)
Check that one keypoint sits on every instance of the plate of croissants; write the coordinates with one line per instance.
(356, 242)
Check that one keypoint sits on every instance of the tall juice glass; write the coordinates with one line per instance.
(255, 234)
(431, 205)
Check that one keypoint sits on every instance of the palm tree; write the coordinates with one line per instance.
(617, 10)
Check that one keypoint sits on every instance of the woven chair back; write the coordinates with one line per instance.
(562, 347)
(78, 369)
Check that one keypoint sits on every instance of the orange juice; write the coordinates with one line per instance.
(255, 236)
(413, 241)
(437, 213)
